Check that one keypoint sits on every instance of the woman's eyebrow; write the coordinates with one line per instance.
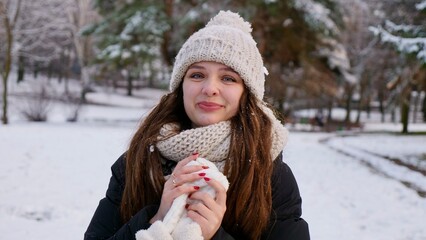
(228, 69)
(196, 67)
(221, 69)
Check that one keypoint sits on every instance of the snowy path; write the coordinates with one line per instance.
(53, 175)
(411, 176)
(344, 199)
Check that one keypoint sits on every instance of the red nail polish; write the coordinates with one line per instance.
(195, 155)
(205, 167)
(202, 174)
(207, 179)
(187, 205)
(196, 187)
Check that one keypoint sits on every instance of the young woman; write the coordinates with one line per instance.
(215, 110)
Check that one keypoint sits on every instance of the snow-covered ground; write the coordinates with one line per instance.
(53, 174)
(344, 199)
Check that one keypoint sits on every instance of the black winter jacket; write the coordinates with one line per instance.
(285, 217)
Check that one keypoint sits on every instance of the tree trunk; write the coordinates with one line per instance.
(129, 84)
(405, 110)
(348, 105)
(393, 115)
(35, 70)
(49, 70)
(416, 106)
(368, 108)
(360, 104)
(381, 106)
(362, 101)
(151, 75)
(85, 83)
(21, 69)
(424, 108)
(7, 61)
(358, 114)
(67, 73)
(330, 109)
(4, 118)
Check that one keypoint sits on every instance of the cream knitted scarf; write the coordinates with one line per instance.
(211, 142)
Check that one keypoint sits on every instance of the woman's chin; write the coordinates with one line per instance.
(205, 122)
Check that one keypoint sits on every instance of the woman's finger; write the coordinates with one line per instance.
(186, 160)
(184, 174)
(220, 190)
(207, 213)
(207, 203)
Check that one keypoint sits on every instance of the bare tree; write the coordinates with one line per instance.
(43, 30)
(80, 14)
(359, 44)
(38, 31)
(36, 104)
(9, 13)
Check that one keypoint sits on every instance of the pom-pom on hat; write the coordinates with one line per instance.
(225, 39)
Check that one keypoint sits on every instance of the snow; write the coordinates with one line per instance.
(344, 199)
(317, 15)
(112, 51)
(415, 44)
(407, 45)
(337, 58)
(134, 21)
(392, 27)
(388, 168)
(54, 174)
(421, 5)
(411, 146)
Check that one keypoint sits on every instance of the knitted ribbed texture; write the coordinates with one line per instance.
(279, 132)
(212, 141)
(225, 39)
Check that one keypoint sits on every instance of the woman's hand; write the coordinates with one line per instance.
(208, 212)
(175, 185)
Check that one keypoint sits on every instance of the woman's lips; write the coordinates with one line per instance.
(209, 106)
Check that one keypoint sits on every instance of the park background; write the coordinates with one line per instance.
(349, 78)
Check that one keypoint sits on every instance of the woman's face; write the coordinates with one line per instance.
(211, 93)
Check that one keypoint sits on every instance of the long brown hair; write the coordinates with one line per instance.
(249, 166)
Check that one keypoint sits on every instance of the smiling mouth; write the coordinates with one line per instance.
(209, 106)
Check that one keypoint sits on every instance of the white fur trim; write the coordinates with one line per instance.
(187, 230)
(157, 231)
(175, 212)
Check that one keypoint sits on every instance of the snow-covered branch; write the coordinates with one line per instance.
(42, 31)
(337, 58)
(392, 27)
(317, 15)
(421, 6)
(407, 45)
(409, 39)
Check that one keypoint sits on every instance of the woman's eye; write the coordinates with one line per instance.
(196, 75)
(229, 79)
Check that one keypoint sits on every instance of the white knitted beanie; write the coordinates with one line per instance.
(225, 39)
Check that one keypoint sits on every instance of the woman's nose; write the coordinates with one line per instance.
(210, 87)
